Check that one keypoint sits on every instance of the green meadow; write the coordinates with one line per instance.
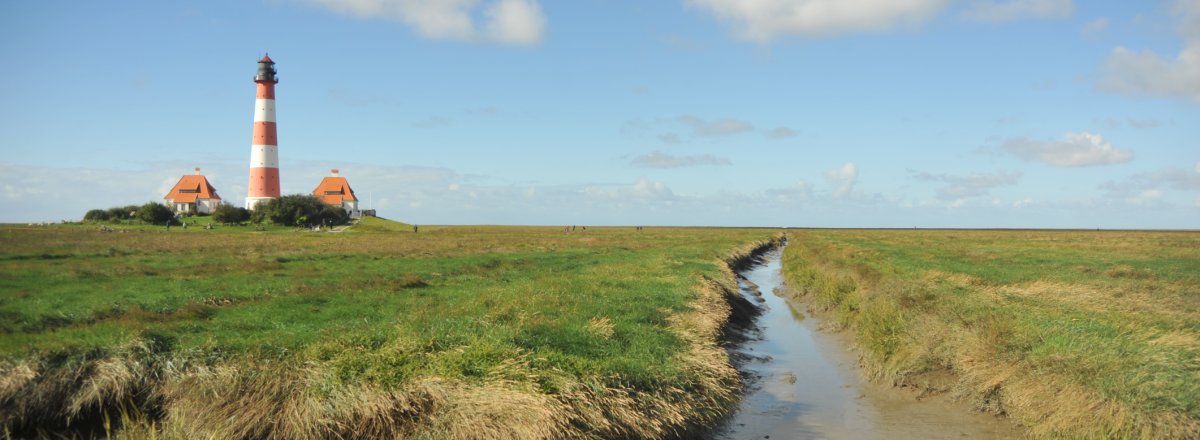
(537, 332)
(1075, 334)
(452, 332)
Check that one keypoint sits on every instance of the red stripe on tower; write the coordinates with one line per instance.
(264, 145)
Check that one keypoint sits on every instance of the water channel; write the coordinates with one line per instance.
(803, 383)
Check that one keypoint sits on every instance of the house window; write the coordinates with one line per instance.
(333, 193)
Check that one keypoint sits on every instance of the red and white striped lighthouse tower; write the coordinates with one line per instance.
(264, 148)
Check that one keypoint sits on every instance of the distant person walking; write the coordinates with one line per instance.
(414, 229)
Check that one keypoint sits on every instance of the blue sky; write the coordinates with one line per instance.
(833, 113)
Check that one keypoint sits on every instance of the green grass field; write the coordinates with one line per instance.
(1077, 334)
(516, 332)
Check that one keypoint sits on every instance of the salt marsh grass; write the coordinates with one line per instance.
(452, 332)
(1088, 334)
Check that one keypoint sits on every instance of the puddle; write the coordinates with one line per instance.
(804, 384)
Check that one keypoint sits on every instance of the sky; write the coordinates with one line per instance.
(817, 113)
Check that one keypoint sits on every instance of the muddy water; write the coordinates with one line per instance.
(803, 383)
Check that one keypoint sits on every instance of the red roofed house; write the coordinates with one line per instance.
(335, 190)
(193, 195)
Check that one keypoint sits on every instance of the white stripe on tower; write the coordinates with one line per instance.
(264, 110)
(264, 145)
(264, 156)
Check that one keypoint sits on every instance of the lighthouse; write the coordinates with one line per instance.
(264, 146)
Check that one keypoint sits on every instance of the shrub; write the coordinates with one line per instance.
(334, 215)
(96, 215)
(123, 212)
(155, 213)
(227, 213)
(299, 210)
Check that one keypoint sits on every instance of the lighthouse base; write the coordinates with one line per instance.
(251, 202)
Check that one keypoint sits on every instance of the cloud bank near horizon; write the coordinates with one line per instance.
(511, 22)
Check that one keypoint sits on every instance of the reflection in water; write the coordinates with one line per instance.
(796, 313)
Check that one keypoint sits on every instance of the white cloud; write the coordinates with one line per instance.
(974, 185)
(988, 10)
(1151, 188)
(1175, 178)
(714, 128)
(659, 159)
(689, 127)
(670, 138)
(1145, 73)
(801, 191)
(1074, 150)
(1148, 197)
(1135, 72)
(1096, 27)
(613, 195)
(764, 20)
(843, 179)
(1144, 123)
(644, 188)
(518, 22)
(781, 133)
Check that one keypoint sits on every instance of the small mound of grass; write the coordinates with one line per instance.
(379, 224)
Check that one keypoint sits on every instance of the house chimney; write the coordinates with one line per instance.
(197, 171)
(334, 171)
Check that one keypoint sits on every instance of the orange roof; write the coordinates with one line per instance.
(334, 189)
(266, 59)
(190, 188)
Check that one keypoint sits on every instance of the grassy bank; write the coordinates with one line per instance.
(1090, 334)
(455, 332)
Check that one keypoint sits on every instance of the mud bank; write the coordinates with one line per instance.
(802, 382)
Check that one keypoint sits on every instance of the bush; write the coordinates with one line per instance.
(227, 213)
(155, 213)
(96, 215)
(123, 212)
(334, 215)
(299, 210)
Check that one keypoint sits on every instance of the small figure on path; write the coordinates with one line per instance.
(414, 229)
